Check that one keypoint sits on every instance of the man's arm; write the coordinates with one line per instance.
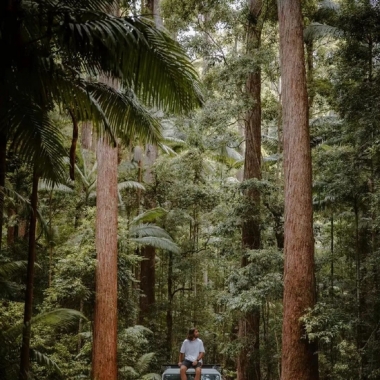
(201, 351)
(181, 356)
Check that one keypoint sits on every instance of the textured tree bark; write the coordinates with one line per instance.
(3, 150)
(148, 253)
(73, 147)
(147, 283)
(104, 354)
(104, 346)
(169, 311)
(153, 7)
(86, 135)
(248, 361)
(10, 229)
(28, 307)
(299, 358)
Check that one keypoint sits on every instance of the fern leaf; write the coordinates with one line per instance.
(130, 185)
(44, 361)
(161, 243)
(149, 215)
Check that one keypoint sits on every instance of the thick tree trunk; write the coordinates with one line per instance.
(299, 358)
(28, 307)
(104, 354)
(248, 361)
(104, 345)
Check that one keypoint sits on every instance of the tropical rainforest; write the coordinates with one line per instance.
(169, 164)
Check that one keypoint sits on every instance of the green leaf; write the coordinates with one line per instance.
(45, 361)
(130, 185)
(149, 215)
(141, 230)
(156, 242)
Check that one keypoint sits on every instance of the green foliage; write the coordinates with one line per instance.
(199, 208)
(134, 363)
(8, 288)
(10, 336)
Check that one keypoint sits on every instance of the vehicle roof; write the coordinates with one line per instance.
(209, 371)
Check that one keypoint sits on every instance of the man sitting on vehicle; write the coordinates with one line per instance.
(191, 354)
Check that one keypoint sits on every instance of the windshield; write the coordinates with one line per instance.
(190, 376)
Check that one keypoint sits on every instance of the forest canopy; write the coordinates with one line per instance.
(170, 164)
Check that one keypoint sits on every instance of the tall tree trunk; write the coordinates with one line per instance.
(310, 74)
(148, 253)
(169, 311)
(11, 228)
(104, 345)
(104, 353)
(147, 283)
(3, 151)
(25, 348)
(299, 358)
(86, 135)
(248, 361)
(153, 8)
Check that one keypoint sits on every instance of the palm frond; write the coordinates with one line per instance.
(147, 59)
(272, 158)
(233, 154)
(9, 289)
(60, 187)
(137, 330)
(149, 215)
(54, 318)
(173, 140)
(316, 31)
(162, 243)
(82, 175)
(8, 269)
(88, 177)
(37, 140)
(129, 372)
(269, 142)
(144, 361)
(130, 185)
(151, 376)
(141, 230)
(329, 4)
(44, 361)
(125, 113)
(167, 149)
(74, 93)
(59, 317)
(172, 82)
(13, 194)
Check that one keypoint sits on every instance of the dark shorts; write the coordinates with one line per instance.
(188, 364)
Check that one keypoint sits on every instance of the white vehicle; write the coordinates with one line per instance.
(209, 372)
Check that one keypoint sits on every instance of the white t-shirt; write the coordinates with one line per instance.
(192, 348)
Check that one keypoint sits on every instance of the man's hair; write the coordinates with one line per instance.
(190, 334)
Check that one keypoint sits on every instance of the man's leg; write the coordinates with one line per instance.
(197, 374)
(183, 372)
